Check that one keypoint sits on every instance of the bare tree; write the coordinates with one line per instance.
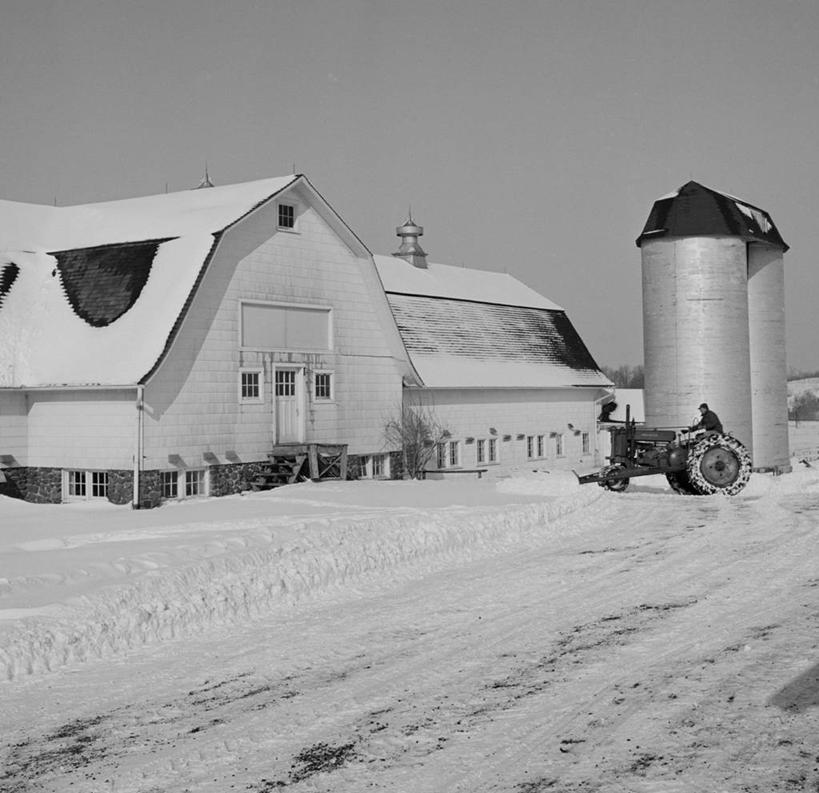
(416, 431)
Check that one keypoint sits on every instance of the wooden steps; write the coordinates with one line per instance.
(297, 462)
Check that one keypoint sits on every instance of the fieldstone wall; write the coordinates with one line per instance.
(150, 489)
(120, 487)
(233, 477)
(40, 485)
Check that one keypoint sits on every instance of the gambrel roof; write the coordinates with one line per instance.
(91, 294)
(466, 328)
(695, 211)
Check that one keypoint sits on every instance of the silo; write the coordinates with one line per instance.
(769, 388)
(713, 318)
(695, 331)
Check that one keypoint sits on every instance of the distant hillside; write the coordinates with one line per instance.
(803, 399)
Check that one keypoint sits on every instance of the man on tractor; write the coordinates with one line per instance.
(709, 420)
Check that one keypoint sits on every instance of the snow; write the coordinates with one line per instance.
(457, 283)
(517, 634)
(89, 580)
(43, 342)
(452, 371)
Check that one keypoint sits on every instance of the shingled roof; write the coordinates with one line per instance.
(466, 328)
(697, 211)
(92, 294)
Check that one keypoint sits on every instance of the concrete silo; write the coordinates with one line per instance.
(714, 318)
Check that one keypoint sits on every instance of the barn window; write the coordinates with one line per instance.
(272, 326)
(454, 453)
(85, 484)
(287, 216)
(323, 385)
(184, 483)
(250, 385)
(170, 484)
(194, 483)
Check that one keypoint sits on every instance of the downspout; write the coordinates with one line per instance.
(138, 443)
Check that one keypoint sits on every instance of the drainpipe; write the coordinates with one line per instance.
(139, 443)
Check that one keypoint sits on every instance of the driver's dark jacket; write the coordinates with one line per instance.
(709, 422)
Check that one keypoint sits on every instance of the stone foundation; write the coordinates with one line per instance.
(39, 485)
(233, 477)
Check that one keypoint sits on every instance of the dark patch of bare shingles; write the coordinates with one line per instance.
(104, 282)
(483, 331)
(8, 275)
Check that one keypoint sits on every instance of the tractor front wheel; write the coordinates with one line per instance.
(680, 483)
(718, 464)
(615, 485)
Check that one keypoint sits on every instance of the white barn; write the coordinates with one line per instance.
(167, 346)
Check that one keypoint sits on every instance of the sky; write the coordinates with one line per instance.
(527, 137)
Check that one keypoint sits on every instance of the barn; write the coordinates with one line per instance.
(501, 367)
(179, 345)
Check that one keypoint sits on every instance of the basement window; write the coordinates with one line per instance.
(85, 485)
(185, 483)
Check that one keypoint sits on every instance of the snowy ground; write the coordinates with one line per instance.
(519, 635)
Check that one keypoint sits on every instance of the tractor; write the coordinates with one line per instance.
(694, 462)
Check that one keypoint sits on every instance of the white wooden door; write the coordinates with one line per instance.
(288, 408)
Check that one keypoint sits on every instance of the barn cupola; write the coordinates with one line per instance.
(410, 249)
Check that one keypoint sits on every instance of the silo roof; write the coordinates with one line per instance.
(695, 211)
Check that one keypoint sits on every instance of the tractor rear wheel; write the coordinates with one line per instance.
(680, 483)
(718, 464)
(615, 485)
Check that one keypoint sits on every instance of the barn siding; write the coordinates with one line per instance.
(82, 429)
(192, 403)
(470, 413)
(13, 427)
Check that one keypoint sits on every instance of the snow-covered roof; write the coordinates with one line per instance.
(90, 294)
(696, 210)
(466, 328)
(459, 283)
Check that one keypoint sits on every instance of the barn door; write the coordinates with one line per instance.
(288, 405)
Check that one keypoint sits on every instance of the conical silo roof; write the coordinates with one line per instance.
(698, 211)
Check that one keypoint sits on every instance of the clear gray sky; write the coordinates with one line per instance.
(531, 137)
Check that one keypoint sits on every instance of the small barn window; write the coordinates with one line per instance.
(250, 385)
(99, 484)
(194, 483)
(287, 216)
(86, 484)
(170, 484)
(454, 453)
(323, 385)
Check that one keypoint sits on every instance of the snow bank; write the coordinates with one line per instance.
(181, 578)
